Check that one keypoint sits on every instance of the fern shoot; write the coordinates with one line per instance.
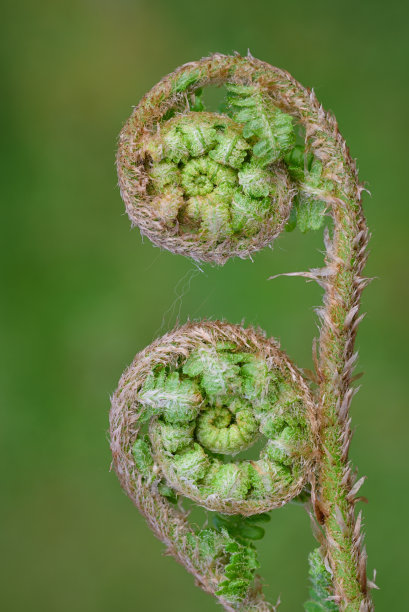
(213, 186)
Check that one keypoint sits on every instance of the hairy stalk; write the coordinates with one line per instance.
(212, 186)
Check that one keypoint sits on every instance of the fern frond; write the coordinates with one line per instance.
(217, 369)
(272, 128)
(239, 561)
(239, 572)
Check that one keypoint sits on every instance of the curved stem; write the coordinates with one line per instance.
(345, 259)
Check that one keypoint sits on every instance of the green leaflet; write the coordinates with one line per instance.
(297, 162)
(320, 589)
(276, 140)
(216, 368)
(272, 128)
(164, 174)
(175, 436)
(239, 561)
(308, 212)
(210, 544)
(256, 379)
(142, 455)
(219, 368)
(231, 149)
(229, 480)
(242, 563)
(141, 452)
(239, 572)
(191, 463)
(166, 394)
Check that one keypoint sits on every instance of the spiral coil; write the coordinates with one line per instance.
(208, 185)
(211, 390)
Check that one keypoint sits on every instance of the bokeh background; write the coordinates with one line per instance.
(83, 293)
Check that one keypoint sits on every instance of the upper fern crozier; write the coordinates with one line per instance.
(210, 185)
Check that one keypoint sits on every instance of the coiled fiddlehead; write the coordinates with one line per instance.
(212, 186)
(209, 391)
(204, 184)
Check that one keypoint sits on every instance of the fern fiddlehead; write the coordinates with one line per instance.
(209, 391)
(198, 183)
(212, 186)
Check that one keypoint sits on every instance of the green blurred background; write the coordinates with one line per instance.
(83, 293)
